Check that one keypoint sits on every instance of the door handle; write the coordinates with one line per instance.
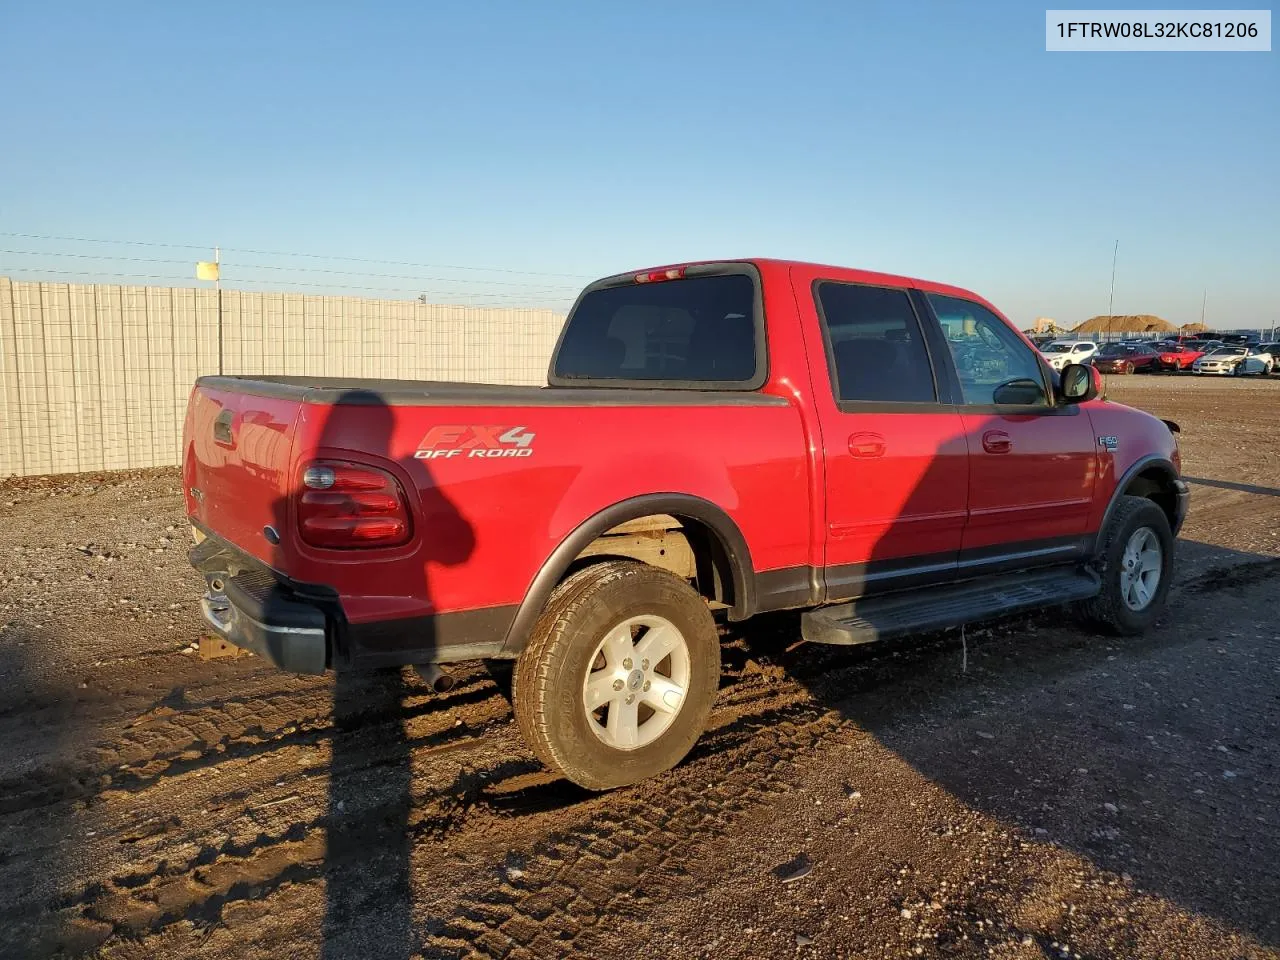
(866, 445)
(996, 441)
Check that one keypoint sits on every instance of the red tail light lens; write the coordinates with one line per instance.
(344, 505)
(657, 276)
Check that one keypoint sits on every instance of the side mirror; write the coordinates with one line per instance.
(1080, 383)
(1022, 392)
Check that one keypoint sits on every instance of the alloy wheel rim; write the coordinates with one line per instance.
(637, 682)
(1140, 569)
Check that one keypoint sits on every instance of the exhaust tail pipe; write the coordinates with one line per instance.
(435, 678)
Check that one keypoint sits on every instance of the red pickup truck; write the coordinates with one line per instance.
(715, 440)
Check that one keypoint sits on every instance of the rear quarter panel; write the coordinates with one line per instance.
(483, 526)
(237, 488)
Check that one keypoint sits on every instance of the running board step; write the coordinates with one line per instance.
(894, 615)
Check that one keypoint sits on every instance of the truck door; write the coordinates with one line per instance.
(1032, 462)
(895, 457)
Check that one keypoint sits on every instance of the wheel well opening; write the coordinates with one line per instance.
(684, 546)
(1157, 486)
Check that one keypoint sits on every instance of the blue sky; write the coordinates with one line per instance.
(938, 140)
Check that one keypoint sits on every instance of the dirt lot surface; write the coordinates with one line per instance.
(1066, 796)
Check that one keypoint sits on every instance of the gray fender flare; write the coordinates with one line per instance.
(731, 541)
(1143, 464)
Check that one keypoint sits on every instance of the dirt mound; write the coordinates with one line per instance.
(1131, 323)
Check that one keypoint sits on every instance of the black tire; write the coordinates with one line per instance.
(547, 686)
(1108, 609)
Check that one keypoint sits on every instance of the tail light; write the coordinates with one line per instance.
(349, 505)
(657, 276)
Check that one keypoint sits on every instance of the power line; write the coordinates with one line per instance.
(282, 253)
(128, 243)
(266, 266)
(398, 276)
(487, 298)
(92, 256)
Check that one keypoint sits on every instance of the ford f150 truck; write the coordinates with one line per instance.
(715, 440)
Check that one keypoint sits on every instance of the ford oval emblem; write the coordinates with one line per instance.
(271, 534)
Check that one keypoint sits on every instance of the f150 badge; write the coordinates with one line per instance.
(475, 441)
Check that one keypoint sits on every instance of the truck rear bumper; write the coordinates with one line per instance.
(302, 627)
(253, 612)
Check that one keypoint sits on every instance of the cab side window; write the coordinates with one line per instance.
(875, 344)
(988, 355)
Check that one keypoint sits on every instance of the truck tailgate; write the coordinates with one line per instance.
(236, 464)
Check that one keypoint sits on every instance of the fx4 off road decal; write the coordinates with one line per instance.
(473, 441)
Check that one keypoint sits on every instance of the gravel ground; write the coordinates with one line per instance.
(1033, 790)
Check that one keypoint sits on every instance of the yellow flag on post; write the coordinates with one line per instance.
(207, 270)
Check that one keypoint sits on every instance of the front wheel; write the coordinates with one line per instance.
(1135, 564)
(619, 676)
(1128, 368)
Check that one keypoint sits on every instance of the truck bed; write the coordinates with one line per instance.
(482, 526)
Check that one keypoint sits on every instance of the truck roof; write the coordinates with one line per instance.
(768, 265)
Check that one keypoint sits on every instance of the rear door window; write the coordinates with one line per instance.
(876, 347)
(697, 331)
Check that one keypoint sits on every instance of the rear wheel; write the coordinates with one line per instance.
(1135, 563)
(619, 676)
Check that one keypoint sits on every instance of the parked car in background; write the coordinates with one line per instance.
(1126, 358)
(1258, 359)
(1273, 349)
(1220, 360)
(1059, 353)
(1177, 356)
(1240, 360)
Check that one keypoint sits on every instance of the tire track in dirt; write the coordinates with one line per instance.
(169, 741)
(133, 906)
(555, 904)
(761, 725)
(557, 908)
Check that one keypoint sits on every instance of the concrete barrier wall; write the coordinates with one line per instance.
(96, 376)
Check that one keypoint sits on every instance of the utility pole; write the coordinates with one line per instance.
(1111, 299)
(212, 270)
(217, 285)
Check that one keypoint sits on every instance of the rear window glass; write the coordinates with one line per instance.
(877, 349)
(699, 330)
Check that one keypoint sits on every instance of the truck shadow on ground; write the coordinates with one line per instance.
(1152, 756)
(1232, 485)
